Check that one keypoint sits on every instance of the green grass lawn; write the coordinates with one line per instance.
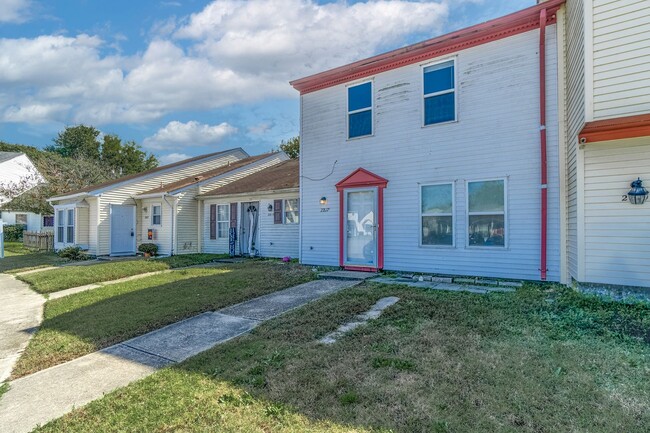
(74, 276)
(538, 360)
(18, 258)
(85, 322)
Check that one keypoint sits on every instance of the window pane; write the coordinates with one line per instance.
(222, 212)
(486, 196)
(223, 229)
(439, 77)
(486, 230)
(71, 217)
(360, 96)
(70, 237)
(59, 234)
(439, 108)
(60, 216)
(436, 199)
(360, 124)
(156, 220)
(437, 230)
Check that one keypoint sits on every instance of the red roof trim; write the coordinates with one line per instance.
(615, 129)
(509, 25)
(360, 178)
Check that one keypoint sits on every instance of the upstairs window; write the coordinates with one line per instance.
(360, 110)
(486, 213)
(439, 93)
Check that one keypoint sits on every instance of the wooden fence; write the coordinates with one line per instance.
(40, 241)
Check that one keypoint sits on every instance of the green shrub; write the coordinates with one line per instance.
(14, 232)
(72, 253)
(148, 248)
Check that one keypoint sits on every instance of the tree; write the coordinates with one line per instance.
(77, 142)
(291, 147)
(125, 158)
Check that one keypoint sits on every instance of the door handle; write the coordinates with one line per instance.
(131, 232)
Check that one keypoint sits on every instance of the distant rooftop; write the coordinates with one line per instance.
(285, 175)
(6, 156)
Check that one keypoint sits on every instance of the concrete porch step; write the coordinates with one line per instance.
(347, 275)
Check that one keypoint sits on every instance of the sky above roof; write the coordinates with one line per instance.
(188, 77)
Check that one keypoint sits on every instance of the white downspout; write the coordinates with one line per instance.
(171, 207)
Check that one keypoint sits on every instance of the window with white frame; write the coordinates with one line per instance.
(70, 227)
(21, 218)
(60, 226)
(439, 93)
(156, 214)
(291, 211)
(437, 217)
(360, 110)
(486, 207)
(223, 220)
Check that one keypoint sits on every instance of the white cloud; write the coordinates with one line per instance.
(35, 113)
(14, 11)
(192, 133)
(231, 52)
(172, 157)
(260, 128)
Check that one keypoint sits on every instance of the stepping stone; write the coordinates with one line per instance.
(360, 319)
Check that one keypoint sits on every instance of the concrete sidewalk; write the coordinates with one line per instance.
(21, 311)
(49, 394)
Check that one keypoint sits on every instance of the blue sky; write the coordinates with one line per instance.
(194, 76)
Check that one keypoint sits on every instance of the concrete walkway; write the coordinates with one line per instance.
(21, 311)
(49, 394)
(73, 290)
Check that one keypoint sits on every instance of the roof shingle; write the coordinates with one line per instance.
(285, 175)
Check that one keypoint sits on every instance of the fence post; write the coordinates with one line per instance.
(2, 240)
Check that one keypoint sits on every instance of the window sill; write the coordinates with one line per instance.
(439, 124)
(438, 247)
(359, 137)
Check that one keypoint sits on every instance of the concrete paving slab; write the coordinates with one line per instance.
(360, 319)
(348, 275)
(33, 271)
(274, 304)
(181, 340)
(21, 311)
(48, 394)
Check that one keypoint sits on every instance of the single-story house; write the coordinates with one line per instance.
(170, 215)
(105, 219)
(18, 173)
(440, 157)
(261, 210)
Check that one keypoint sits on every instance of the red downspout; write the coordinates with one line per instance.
(542, 130)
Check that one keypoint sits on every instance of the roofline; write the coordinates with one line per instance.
(489, 31)
(210, 179)
(68, 197)
(255, 193)
(615, 129)
(94, 192)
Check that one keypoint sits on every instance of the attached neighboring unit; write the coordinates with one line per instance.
(107, 219)
(18, 173)
(607, 82)
(257, 215)
(443, 156)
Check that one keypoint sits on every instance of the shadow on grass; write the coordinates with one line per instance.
(88, 321)
(537, 360)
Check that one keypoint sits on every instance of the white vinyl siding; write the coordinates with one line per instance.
(621, 49)
(617, 233)
(498, 137)
(275, 240)
(575, 118)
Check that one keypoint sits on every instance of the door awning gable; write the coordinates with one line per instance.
(361, 178)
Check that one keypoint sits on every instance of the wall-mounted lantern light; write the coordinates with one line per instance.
(323, 200)
(145, 209)
(270, 207)
(638, 194)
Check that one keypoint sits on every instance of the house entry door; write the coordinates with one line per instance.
(248, 239)
(361, 227)
(122, 230)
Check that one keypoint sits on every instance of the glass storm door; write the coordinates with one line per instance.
(360, 247)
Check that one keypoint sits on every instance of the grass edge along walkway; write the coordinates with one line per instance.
(80, 381)
(70, 276)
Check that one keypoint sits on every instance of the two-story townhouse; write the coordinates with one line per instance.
(443, 156)
(607, 94)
